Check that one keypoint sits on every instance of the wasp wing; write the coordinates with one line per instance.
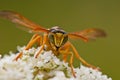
(88, 34)
(21, 20)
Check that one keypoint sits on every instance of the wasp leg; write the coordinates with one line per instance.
(81, 59)
(18, 56)
(42, 46)
(65, 57)
(34, 39)
(65, 50)
(71, 64)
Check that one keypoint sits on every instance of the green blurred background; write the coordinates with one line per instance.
(71, 15)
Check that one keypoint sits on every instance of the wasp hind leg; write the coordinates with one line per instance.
(82, 60)
(35, 38)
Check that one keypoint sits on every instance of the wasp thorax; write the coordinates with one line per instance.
(57, 37)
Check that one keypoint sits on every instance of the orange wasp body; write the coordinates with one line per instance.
(54, 39)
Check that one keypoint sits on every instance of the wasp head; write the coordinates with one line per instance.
(57, 37)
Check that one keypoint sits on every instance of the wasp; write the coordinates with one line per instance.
(54, 39)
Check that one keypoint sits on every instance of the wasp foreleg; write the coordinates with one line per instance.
(42, 46)
(34, 39)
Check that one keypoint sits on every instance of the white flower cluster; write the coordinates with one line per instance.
(45, 67)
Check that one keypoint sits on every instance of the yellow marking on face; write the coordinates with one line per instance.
(58, 39)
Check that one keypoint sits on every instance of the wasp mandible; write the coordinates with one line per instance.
(55, 38)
